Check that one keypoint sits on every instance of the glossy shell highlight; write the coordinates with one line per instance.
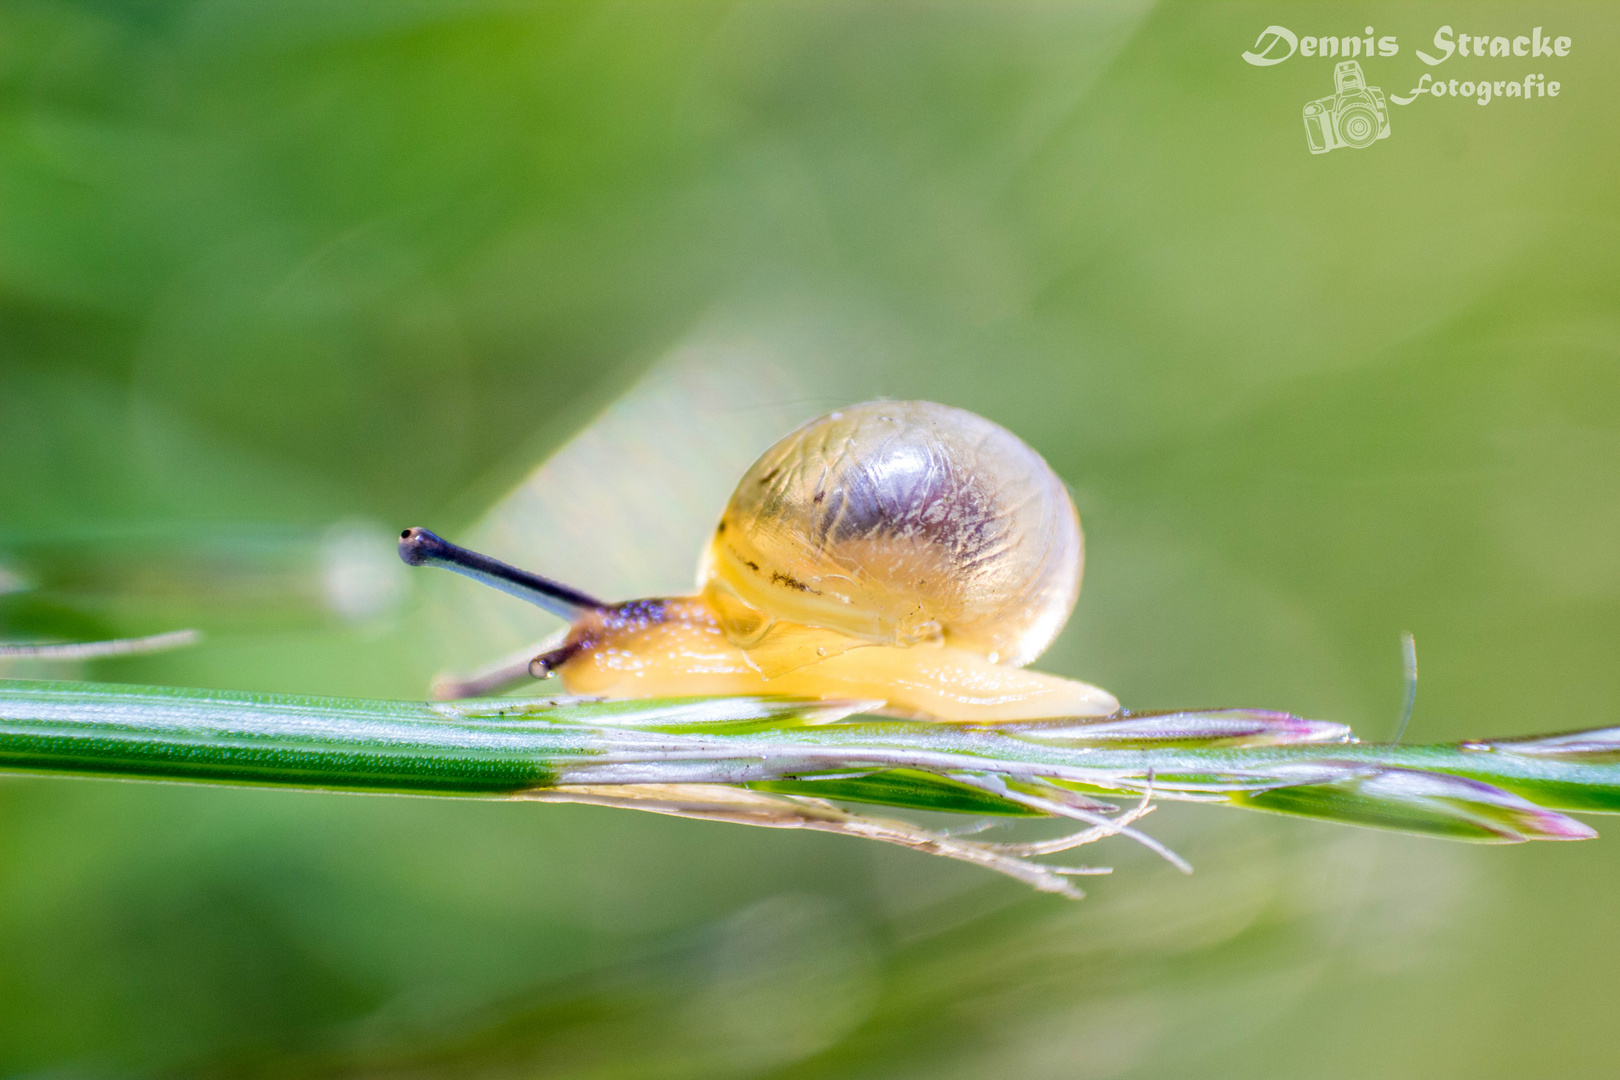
(900, 522)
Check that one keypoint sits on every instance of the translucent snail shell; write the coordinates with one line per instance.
(902, 522)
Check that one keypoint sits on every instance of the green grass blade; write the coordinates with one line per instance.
(1407, 800)
(1494, 791)
(328, 743)
(902, 788)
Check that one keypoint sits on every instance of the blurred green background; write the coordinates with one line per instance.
(279, 278)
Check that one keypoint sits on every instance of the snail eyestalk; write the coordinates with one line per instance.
(418, 547)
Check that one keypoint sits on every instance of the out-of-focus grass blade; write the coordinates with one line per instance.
(127, 582)
(91, 650)
(625, 505)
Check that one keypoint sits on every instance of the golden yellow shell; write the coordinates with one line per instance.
(900, 522)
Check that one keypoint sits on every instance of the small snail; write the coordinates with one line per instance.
(896, 550)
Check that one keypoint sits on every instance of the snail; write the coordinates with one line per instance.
(901, 551)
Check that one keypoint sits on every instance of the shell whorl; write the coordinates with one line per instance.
(904, 521)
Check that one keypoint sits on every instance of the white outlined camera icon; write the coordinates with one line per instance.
(1354, 115)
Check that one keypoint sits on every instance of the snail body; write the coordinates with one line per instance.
(901, 551)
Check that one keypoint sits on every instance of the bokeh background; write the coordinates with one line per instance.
(280, 277)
